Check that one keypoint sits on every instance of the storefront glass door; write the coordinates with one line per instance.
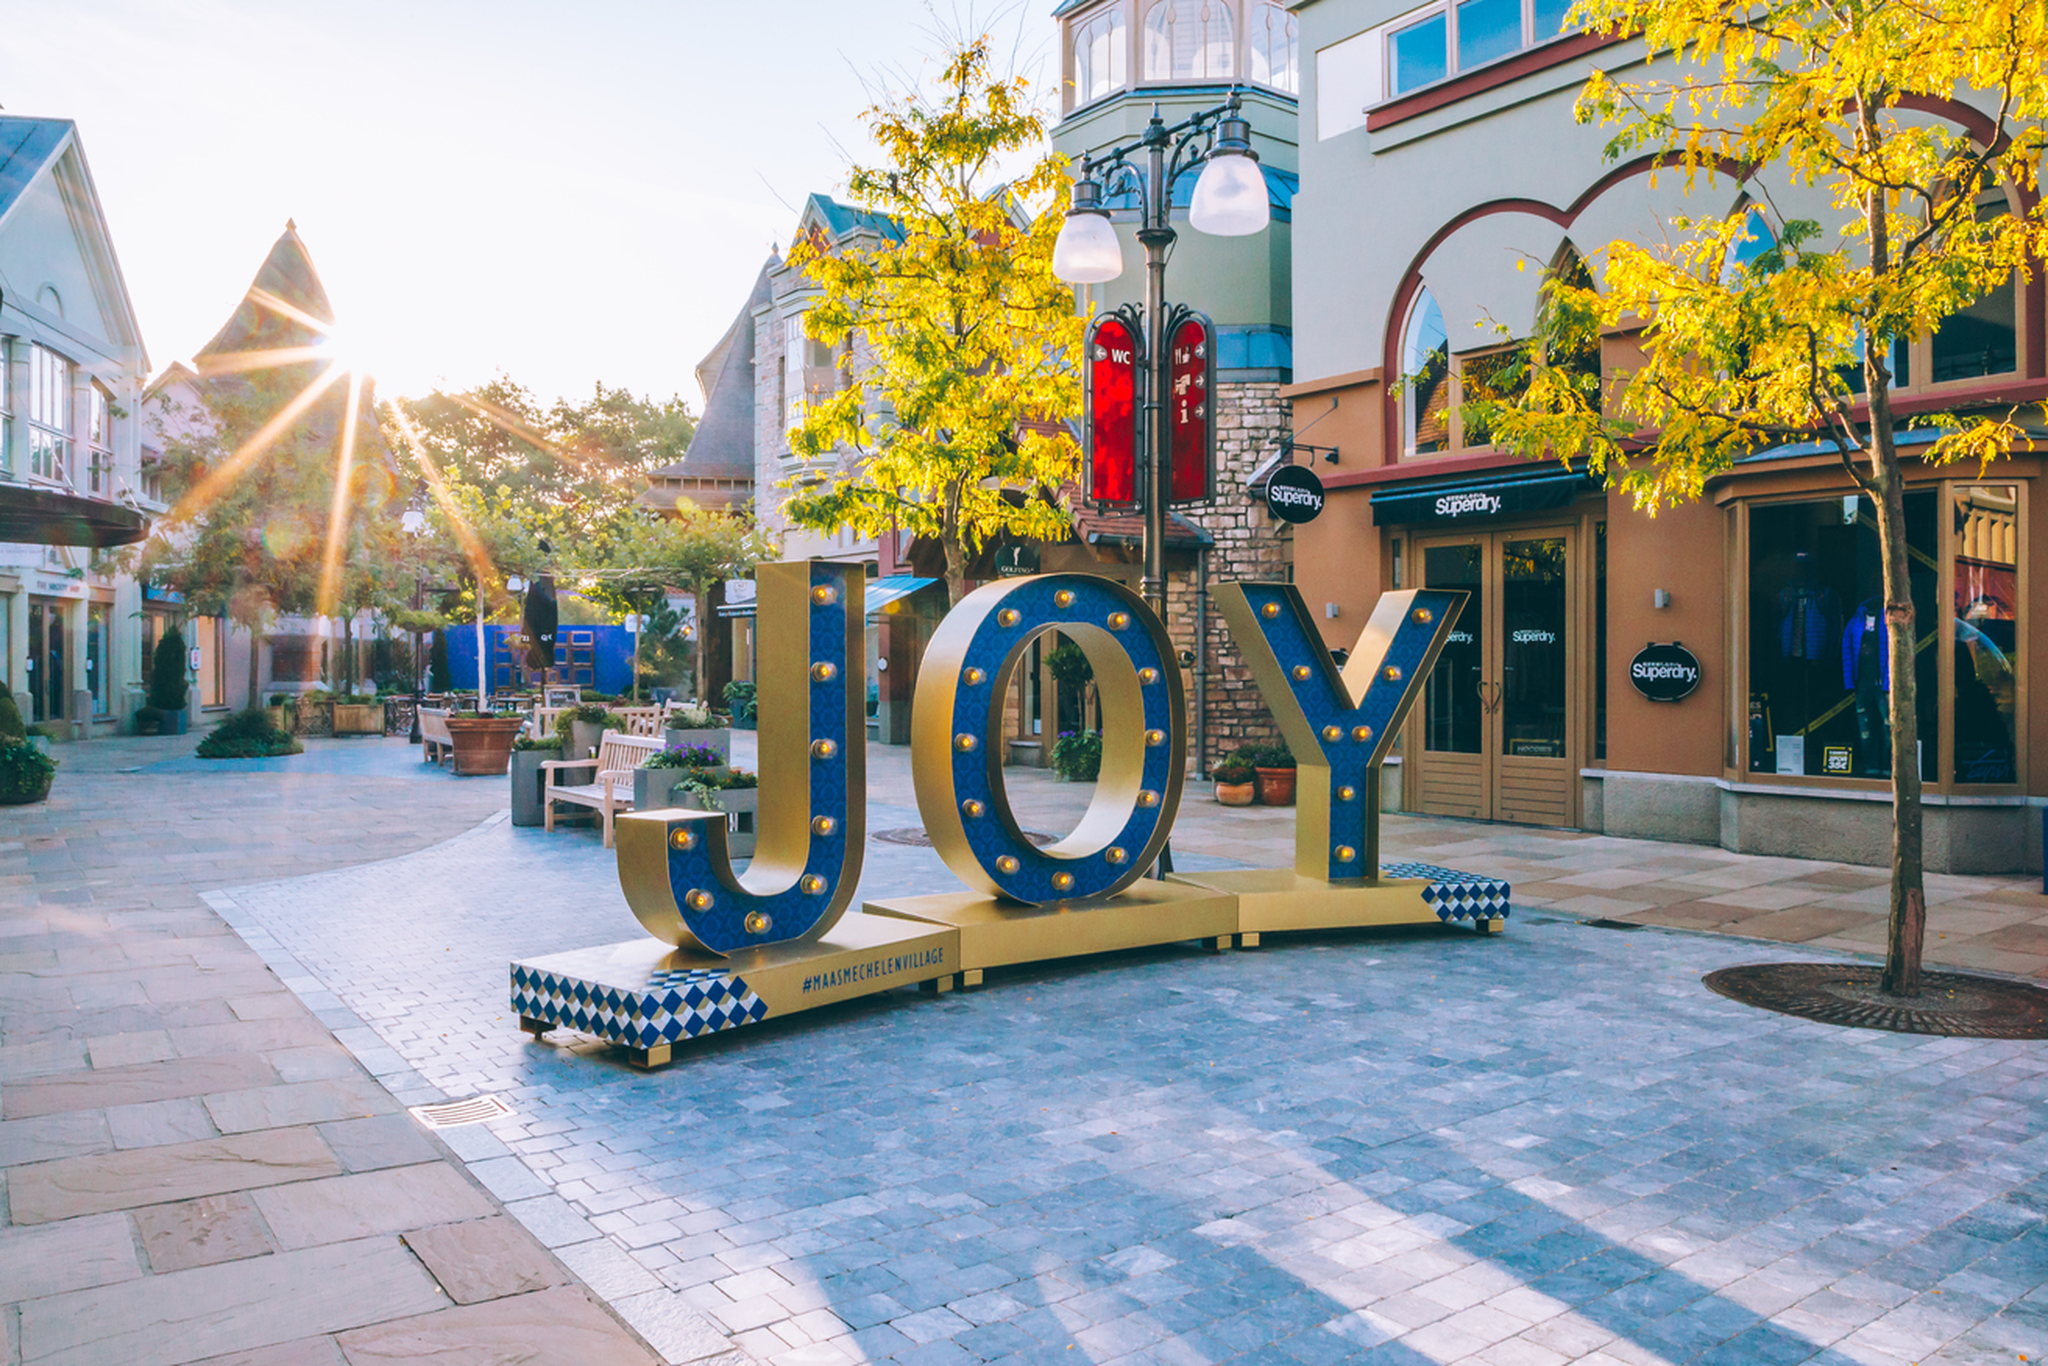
(48, 683)
(1498, 739)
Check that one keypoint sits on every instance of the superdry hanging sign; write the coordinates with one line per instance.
(1294, 494)
(1109, 419)
(1190, 416)
(1665, 673)
(1470, 502)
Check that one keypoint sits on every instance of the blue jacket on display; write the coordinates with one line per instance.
(1866, 620)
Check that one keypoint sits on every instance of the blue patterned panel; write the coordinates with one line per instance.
(1454, 895)
(723, 915)
(661, 1008)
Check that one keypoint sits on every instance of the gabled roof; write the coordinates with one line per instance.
(842, 219)
(287, 273)
(30, 147)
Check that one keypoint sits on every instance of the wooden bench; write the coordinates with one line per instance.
(616, 758)
(435, 742)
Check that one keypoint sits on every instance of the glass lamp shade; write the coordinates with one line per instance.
(1230, 198)
(1086, 251)
(413, 522)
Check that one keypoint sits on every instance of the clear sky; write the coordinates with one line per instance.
(567, 192)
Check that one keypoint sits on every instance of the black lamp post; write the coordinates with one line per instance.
(1230, 200)
(414, 524)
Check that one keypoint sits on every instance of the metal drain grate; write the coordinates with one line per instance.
(1951, 1004)
(455, 1113)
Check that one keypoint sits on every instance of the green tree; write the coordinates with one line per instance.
(168, 687)
(951, 421)
(693, 548)
(1908, 113)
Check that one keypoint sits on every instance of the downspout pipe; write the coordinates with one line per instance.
(1202, 661)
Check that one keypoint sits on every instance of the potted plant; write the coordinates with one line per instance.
(169, 690)
(582, 728)
(655, 781)
(280, 713)
(1274, 765)
(741, 697)
(738, 794)
(1235, 782)
(698, 726)
(248, 735)
(25, 771)
(528, 754)
(148, 720)
(1077, 756)
(482, 741)
(358, 718)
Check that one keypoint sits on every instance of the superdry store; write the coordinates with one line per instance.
(1716, 673)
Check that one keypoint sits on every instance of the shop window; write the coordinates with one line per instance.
(1600, 641)
(49, 414)
(1986, 526)
(1819, 666)
(1981, 340)
(1426, 377)
(96, 644)
(1274, 47)
(1099, 47)
(1189, 39)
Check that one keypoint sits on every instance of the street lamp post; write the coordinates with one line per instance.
(414, 524)
(1230, 200)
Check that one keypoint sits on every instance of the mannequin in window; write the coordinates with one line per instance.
(1808, 613)
(1867, 672)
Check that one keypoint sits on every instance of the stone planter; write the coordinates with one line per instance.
(1276, 786)
(527, 782)
(654, 788)
(1236, 794)
(278, 720)
(358, 718)
(483, 747)
(719, 739)
(170, 722)
(584, 738)
(742, 807)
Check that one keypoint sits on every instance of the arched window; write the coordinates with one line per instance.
(1099, 61)
(1189, 39)
(1982, 339)
(1757, 239)
(1426, 371)
(1273, 38)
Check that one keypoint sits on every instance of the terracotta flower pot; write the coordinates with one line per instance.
(1236, 794)
(483, 746)
(1276, 786)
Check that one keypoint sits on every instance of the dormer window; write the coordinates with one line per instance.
(1189, 40)
(1099, 56)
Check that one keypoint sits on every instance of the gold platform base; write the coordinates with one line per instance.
(1272, 900)
(996, 934)
(650, 998)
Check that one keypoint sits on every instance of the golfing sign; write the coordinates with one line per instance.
(1665, 673)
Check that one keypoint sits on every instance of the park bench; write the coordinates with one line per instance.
(436, 744)
(616, 758)
(641, 721)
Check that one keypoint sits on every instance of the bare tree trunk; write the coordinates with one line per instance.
(701, 664)
(255, 651)
(956, 551)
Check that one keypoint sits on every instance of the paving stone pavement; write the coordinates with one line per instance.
(191, 1167)
(1397, 1147)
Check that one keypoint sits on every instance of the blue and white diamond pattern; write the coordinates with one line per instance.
(669, 1005)
(1454, 895)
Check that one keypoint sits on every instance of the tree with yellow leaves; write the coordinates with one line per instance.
(950, 428)
(1907, 113)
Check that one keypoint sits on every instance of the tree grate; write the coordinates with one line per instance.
(455, 1113)
(1950, 1004)
(918, 839)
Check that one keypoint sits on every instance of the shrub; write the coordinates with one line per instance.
(741, 697)
(1234, 771)
(248, 735)
(438, 677)
(1263, 756)
(11, 727)
(148, 720)
(686, 756)
(591, 713)
(740, 779)
(168, 687)
(1077, 755)
(693, 718)
(25, 773)
(547, 742)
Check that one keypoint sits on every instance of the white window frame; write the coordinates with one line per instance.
(99, 438)
(1087, 90)
(1448, 10)
(50, 403)
(1236, 60)
(6, 405)
(1255, 12)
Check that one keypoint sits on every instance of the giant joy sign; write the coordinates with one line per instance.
(729, 949)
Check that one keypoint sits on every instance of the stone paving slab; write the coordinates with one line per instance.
(1403, 1147)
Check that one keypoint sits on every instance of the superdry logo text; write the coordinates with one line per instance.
(1650, 671)
(1458, 504)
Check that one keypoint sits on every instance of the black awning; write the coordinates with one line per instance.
(1459, 499)
(38, 516)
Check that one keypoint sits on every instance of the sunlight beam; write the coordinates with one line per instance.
(472, 548)
(266, 299)
(238, 362)
(337, 515)
(202, 495)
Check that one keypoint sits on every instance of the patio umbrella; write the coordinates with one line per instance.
(540, 617)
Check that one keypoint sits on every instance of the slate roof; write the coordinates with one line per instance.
(288, 273)
(26, 146)
(840, 219)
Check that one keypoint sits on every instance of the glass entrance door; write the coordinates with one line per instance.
(47, 682)
(1499, 740)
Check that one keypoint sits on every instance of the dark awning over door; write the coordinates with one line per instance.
(39, 516)
(1461, 499)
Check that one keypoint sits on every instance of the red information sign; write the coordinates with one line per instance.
(1188, 414)
(1110, 419)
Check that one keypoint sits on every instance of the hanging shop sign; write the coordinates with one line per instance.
(1294, 494)
(1665, 673)
(1109, 416)
(1016, 560)
(1190, 416)
(1475, 502)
